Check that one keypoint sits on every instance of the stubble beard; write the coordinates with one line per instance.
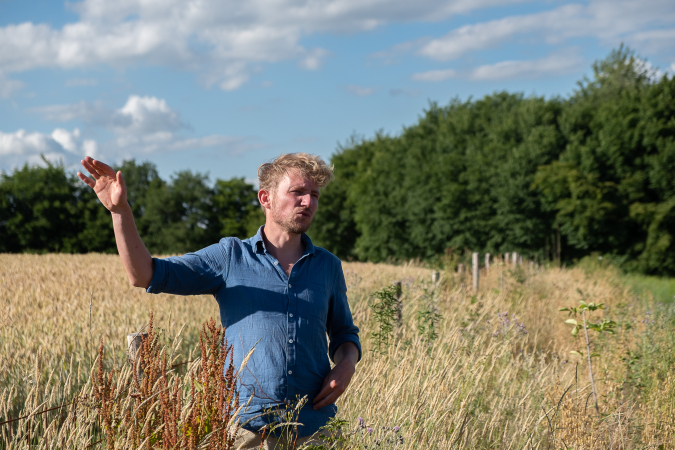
(288, 224)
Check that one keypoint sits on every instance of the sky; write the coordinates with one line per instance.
(221, 86)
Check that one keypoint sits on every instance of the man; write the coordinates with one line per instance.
(275, 291)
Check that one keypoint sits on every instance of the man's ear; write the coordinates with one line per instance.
(265, 198)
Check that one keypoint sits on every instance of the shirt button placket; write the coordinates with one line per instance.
(291, 339)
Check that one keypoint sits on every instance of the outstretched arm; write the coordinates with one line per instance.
(112, 192)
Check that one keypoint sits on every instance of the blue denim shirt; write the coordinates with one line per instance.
(287, 316)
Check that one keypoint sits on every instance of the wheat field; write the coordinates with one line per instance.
(490, 369)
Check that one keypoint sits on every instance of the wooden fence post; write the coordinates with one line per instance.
(134, 341)
(398, 315)
(506, 258)
(474, 264)
(501, 276)
(460, 268)
(435, 276)
(487, 261)
(514, 259)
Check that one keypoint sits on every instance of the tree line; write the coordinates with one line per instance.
(48, 209)
(548, 178)
(553, 179)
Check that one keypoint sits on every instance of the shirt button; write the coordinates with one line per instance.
(290, 372)
(290, 285)
(290, 341)
(291, 314)
(276, 263)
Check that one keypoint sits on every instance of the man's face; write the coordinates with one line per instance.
(294, 203)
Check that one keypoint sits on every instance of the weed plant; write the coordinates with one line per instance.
(386, 308)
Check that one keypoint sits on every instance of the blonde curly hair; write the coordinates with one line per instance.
(309, 166)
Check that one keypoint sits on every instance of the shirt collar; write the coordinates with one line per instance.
(259, 243)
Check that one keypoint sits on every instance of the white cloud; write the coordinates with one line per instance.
(139, 115)
(66, 139)
(8, 87)
(313, 59)
(404, 91)
(360, 91)
(392, 55)
(223, 41)
(88, 112)
(653, 41)
(142, 126)
(612, 22)
(559, 63)
(230, 145)
(434, 75)
(90, 147)
(69, 147)
(78, 82)
(62, 145)
(146, 115)
(551, 65)
(647, 68)
(21, 142)
(491, 34)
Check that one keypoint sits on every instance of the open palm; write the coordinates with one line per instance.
(108, 185)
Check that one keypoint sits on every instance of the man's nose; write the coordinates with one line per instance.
(306, 200)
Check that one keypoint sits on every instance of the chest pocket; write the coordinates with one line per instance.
(314, 301)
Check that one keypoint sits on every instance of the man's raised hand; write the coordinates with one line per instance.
(112, 192)
(108, 185)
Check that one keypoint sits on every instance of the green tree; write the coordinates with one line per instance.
(179, 215)
(334, 226)
(237, 208)
(609, 188)
(459, 178)
(38, 210)
(95, 231)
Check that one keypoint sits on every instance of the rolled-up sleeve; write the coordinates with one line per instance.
(340, 326)
(201, 272)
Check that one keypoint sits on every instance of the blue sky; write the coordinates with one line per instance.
(221, 86)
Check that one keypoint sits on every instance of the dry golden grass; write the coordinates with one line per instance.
(483, 383)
